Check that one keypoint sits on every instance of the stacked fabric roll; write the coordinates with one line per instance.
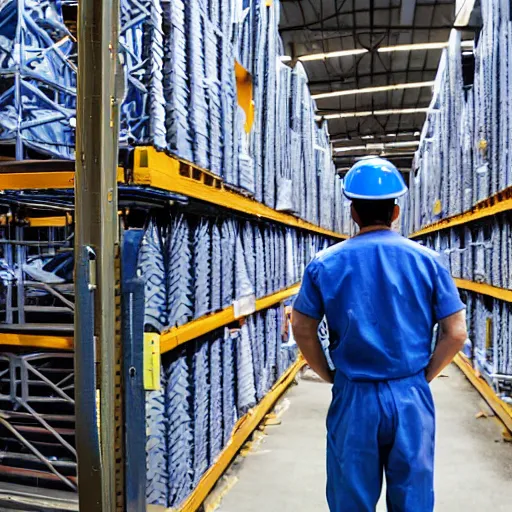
(227, 371)
(482, 253)
(180, 95)
(464, 155)
(193, 266)
(38, 77)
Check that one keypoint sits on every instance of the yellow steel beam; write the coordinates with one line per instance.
(36, 341)
(168, 340)
(160, 170)
(499, 203)
(243, 429)
(178, 335)
(484, 289)
(48, 222)
(43, 180)
(500, 408)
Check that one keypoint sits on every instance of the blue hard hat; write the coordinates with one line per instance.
(374, 178)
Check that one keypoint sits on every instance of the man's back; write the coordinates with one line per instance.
(381, 294)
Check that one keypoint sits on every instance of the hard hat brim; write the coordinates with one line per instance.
(393, 195)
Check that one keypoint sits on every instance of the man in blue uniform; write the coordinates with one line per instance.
(382, 295)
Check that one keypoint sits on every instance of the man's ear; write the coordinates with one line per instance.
(396, 213)
(355, 215)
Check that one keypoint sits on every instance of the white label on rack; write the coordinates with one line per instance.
(484, 168)
(245, 306)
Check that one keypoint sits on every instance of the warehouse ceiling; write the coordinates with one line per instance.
(318, 27)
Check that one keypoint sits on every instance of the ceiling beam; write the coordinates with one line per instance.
(342, 79)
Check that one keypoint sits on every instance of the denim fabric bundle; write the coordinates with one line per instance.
(216, 441)
(38, 76)
(198, 109)
(202, 268)
(176, 79)
(216, 277)
(180, 291)
(180, 427)
(142, 47)
(464, 156)
(229, 410)
(246, 388)
(157, 478)
(201, 401)
(151, 265)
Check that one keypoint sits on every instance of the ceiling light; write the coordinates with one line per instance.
(332, 55)
(349, 148)
(389, 112)
(371, 90)
(382, 49)
(412, 47)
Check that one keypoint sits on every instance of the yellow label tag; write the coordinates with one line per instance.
(437, 207)
(488, 333)
(151, 361)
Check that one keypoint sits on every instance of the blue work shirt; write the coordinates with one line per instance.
(382, 294)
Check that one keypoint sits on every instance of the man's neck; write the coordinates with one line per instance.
(376, 227)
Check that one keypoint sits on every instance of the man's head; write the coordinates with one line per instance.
(373, 184)
(374, 213)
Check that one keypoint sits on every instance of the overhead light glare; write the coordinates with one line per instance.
(413, 47)
(367, 113)
(332, 55)
(372, 90)
(383, 49)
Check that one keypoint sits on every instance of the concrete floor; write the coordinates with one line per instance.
(285, 472)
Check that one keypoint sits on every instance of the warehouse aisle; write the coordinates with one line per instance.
(285, 473)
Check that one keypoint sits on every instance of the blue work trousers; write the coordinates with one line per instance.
(375, 428)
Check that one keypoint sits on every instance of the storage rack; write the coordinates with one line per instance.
(461, 197)
(189, 183)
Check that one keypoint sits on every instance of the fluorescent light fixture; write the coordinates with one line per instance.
(350, 148)
(412, 47)
(383, 49)
(332, 55)
(372, 90)
(463, 10)
(368, 113)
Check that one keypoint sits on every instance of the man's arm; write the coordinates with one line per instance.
(453, 334)
(305, 332)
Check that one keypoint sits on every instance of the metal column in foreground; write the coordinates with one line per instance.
(96, 244)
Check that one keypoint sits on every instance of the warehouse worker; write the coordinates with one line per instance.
(381, 295)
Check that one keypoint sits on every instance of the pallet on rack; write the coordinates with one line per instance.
(500, 408)
(243, 429)
(157, 169)
(498, 203)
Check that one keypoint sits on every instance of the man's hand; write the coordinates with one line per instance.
(305, 331)
(453, 334)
